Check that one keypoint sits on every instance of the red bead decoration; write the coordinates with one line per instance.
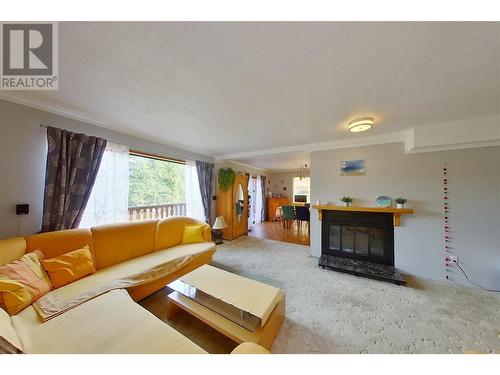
(446, 238)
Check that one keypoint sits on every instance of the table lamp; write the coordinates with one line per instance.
(218, 226)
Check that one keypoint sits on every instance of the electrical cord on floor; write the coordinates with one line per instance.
(467, 277)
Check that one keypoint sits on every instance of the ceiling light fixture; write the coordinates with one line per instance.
(303, 171)
(360, 124)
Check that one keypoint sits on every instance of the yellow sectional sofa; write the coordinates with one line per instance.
(112, 322)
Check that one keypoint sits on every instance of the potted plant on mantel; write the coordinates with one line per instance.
(346, 200)
(400, 202)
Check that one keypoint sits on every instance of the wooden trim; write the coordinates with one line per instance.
(397, 212)
(156, 157)
(364, 209)
(263, 336)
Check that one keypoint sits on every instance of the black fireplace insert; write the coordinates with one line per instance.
(366, 236)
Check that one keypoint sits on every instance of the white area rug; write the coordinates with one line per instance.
(331, 312)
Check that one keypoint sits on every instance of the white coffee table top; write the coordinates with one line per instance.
(252, 296)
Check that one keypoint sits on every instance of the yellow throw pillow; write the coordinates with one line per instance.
(69, 267)
(193, 233)
(22, 282)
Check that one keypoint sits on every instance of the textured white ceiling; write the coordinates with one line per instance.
(219, 88)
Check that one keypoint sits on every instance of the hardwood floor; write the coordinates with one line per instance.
(275, 231)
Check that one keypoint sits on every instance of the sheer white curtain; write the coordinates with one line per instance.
(194, 204)
(252, 192)
(258, 201)
(108, 202)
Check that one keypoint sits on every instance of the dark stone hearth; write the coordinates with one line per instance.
(362, 268)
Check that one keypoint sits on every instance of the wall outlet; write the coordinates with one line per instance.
(453, 258)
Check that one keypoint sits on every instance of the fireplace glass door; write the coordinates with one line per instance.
(356, 241)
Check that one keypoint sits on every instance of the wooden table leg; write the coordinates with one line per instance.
(172, 309)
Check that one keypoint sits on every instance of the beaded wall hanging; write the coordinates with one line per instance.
(446, 222)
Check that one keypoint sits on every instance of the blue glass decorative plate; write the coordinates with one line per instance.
(383, 201)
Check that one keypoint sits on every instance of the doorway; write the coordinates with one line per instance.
(287, 206)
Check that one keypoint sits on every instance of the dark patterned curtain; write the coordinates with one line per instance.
(205, 178)
(72, 163)
(263, 187)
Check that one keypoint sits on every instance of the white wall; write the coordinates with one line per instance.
(23, 154)
(474, 200)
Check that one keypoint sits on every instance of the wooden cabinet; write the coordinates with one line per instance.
(272, 204)
(233, 205)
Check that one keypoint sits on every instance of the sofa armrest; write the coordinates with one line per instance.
(250, 348)
(207, 233)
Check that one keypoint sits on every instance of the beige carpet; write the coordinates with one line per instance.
(331, 312)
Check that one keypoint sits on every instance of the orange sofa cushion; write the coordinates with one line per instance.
(169, 231)
(53, 244)
(116, 243)
(12, 249)
(69, 267)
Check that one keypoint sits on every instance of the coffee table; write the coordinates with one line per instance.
(242, 309)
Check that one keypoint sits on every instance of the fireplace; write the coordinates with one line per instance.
(367, 236)
(359, 243)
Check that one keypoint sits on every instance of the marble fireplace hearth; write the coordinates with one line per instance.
(360, 243)
(361, 268)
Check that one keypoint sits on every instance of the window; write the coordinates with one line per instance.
(155, 181)
(136, 186)
(302, 187)
(156, 187)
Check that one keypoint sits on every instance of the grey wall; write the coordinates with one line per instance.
(474, 200)
(281, 180)
(23, 154)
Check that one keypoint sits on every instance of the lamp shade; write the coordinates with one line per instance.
(219, 223)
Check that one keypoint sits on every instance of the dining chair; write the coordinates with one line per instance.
(278, 214)
(302, 214)
(288, 216)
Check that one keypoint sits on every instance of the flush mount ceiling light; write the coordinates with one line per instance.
(360, 124)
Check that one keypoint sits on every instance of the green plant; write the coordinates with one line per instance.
(226, 178)
(400, 200)
(346, 199)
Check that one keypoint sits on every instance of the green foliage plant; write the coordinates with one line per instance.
(225, 178)
(346, 199)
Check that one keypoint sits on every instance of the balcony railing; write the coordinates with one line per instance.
(159, 211)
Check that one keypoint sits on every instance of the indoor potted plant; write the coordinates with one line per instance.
(400, 202)
(346, 200)
(226, 178)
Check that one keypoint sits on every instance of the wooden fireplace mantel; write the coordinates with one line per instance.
(397, 212)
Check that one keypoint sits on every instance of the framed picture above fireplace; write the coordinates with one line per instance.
(352, 167)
